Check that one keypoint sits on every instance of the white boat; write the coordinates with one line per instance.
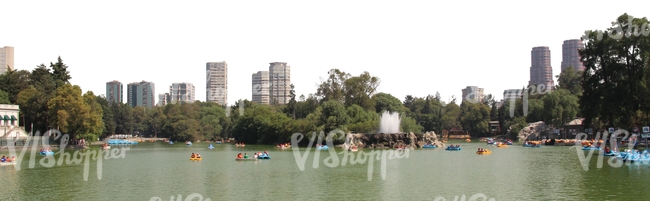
(7, 163)
(106, 147)
(188, 143)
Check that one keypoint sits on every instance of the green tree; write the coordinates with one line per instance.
(291, 106)
(614, 73)
(387, 102)
(4, 97)
(333, 88)
(560, 106)
(70, 113)
(60, 73)
(570, 80)
(360, 89)
(475, 118)
(108, 118)
(13, 82)
(334, 116)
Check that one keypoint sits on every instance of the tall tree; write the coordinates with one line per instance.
(570, 80)
(614, 72)
(360, 89)
(333, 88)
(291, 106)
(60, 73)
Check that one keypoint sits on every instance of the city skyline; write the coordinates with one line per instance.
(307, 38)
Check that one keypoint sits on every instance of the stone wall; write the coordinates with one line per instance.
(410, 140)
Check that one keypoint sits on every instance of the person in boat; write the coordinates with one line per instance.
(198, 155)
(239, 155)
(193, 155)
(255, 155)
(3, 159)
(245, 155)
(607, 150)
(266, 153)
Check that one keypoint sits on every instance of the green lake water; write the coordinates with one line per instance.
(150, 170)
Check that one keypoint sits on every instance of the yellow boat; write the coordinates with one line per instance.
(484, 152)
(468, 140)
(196, 158)
(502, 145)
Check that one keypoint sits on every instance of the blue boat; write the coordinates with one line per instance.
(450, 148)
(532, 145)
(264, 156)
(121, 142)
(188, 143)
(429, 146)
(322, 147)
(590, 148)
(210, 147)
(170, 142)
(610, 153)
(44, 153)
(218, 141)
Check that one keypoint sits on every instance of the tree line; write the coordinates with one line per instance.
(610, 92)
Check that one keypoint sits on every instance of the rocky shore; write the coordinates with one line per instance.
(410, 140)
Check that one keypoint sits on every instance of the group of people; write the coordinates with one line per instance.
(7, 159)
(195, 155)
(46, 150)
(285, 145)
(239, 144)
(454, 146)
(481, 149)
(256, 155)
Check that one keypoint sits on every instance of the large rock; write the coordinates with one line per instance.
(532, 131)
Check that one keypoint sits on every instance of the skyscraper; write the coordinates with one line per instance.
(6, 59)
(261, 87)
(181, 92)
(114, 92)
(141, 94)
(279, 83)
(570, 55)
(216, 85)
(473, 94)
(541, 71)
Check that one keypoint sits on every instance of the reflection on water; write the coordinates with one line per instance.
(162, 170)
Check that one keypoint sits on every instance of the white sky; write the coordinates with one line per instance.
(414, 47)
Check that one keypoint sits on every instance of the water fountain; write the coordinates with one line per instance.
(389, 122)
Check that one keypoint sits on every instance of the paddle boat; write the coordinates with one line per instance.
(170, 142)
(483, 152)
(610, 153)
(210, 146)
(47, 152)
(490, 141)
(500, 145)
(246, 159)
(453, 148)
(590, 148)
(240, 145)
(264, 156)
(105, 147)
(429, 146)
(637, 158)
(508, 142)
(188, 143)
(218, 142)
(533, 145)
(196, 157)
(8, 163)
(121, 142)
(322, 147)
(468, 140)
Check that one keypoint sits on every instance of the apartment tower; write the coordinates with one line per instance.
(181, 92)
(473, 94)
(541, 71)
(114, 92)
(6, 59)
(570, 55)
(279, 83)
(261, 87)
(141, 94)
(216, 85)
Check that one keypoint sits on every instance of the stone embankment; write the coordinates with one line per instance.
(410, 140)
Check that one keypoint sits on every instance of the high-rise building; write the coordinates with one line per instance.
(181, 92)
(261, 87)
(164, 99)
(541, 71)
(6, 59)
(114, 92)
(141, 94)
(216, 86)
(570, 55)
(279, 83)
(473, 94)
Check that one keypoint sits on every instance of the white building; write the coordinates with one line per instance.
(9, 124)
(216, 86)
(181, 92)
